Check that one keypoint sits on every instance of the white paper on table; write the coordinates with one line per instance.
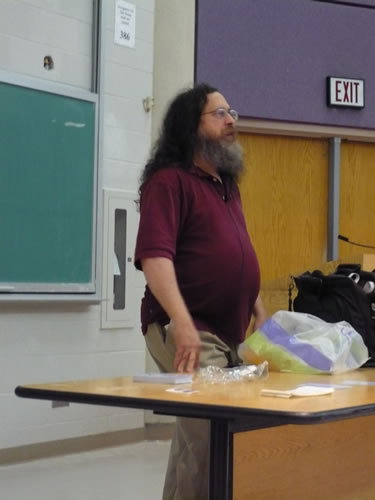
(302, 391)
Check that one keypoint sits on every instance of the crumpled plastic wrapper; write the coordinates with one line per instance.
(215, 375)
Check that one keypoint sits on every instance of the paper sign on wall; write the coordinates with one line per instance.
(125, 23)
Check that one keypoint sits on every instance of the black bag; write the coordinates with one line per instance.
(348, 294)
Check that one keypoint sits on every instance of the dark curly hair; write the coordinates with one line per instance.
(178, 135)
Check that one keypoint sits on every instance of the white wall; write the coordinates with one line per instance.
(32, 29)
(127, 81)
(45, 342)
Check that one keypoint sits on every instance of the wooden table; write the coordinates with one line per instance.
(231, 408)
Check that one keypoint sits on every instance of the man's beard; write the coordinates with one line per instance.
(226, 157)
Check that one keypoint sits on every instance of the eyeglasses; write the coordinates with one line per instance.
(221, 113)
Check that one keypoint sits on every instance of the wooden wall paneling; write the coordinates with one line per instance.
(285, 199)
(357, 197)
(329, 461)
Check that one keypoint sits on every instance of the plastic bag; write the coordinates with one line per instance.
(303, 343)
(215, 375)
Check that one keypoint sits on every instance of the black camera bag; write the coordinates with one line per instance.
(345, 295)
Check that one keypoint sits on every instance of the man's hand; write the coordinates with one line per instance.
(188, 345)
(161, 278)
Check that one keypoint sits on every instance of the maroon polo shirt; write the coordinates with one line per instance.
(191, 218)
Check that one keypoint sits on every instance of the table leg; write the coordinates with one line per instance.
(221, 461)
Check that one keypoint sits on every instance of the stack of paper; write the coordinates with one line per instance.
(164, 378)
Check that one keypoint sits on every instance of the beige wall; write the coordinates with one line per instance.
(173, 71)
(173, 53)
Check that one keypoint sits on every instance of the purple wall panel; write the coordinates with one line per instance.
(370, 3)
(270, 58)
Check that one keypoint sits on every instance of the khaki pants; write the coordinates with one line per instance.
(188, 465)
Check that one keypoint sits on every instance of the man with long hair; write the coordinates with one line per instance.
(201, 269)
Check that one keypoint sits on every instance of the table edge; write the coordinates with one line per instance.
(197, 410)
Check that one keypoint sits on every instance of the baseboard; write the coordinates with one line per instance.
(152, 432)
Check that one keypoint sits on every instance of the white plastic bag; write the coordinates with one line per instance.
(303, 343)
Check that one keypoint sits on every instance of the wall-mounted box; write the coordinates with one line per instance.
(119, 233)
(345, 92)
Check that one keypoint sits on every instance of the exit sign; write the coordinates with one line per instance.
(346, 92)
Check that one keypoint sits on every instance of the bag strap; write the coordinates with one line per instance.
(347, 268)
(290, 288)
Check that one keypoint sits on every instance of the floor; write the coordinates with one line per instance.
(128, 472)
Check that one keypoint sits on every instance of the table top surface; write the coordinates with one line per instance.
(354, 393)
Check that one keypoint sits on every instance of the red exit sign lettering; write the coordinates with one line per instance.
(347, 92)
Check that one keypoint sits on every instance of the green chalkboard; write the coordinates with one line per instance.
(47, 182)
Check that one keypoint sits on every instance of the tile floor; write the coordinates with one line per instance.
(128, 472)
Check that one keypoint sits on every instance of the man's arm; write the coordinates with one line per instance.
(161, 279)
(259, 313)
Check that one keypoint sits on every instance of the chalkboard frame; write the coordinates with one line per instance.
(88, 291)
